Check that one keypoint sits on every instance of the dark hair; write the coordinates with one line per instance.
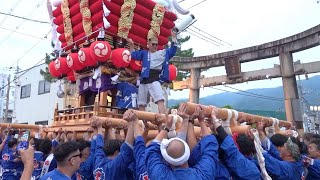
(111, 146)
(300, 145)
(278, 140)
(37, 143)
(45, 146)
(310, 136)
(82, 144)
(63, 150)
(316, 142)
(246, 145)
(12, 142)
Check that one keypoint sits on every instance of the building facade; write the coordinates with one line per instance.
(3, 96)
(35, 98)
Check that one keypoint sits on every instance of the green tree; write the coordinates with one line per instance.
(227, 107)
(45, 73)
(183, 53)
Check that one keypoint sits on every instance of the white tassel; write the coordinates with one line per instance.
(134, 99)
(115, 79)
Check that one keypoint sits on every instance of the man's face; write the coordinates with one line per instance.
(153, 45)
(75, 159)
(313, 151)
(284, 152)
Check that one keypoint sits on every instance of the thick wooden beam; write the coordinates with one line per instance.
(300, 69)
(298, 42)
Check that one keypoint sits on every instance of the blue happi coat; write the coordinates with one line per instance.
(204, 169)
(116, 168)
(314, 170)
(238, 165)
(143, 55)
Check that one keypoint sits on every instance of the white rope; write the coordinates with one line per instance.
(275, 121)
(226, 124)
(261, 160)
(236, 116)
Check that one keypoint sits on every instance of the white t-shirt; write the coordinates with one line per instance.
(156, 59)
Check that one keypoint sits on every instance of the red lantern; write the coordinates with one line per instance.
(52, 69)
(173, 72)
(62, 66)
(136, 65)
(71, 77)
(85, 57)
(100, 50)
(74, 63)
(121, 57)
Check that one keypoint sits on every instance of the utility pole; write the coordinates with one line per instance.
(7, 100)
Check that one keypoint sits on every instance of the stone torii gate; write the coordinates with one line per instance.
(232, 60)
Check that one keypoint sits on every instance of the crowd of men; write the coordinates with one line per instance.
(109, 153)
(120, 154)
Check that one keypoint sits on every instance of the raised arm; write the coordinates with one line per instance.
(96, 124)
(164, 132)
(155, 167)
(137, 55)
(27, 159)
(185, 121)
(173, 48)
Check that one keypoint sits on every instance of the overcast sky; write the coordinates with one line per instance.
(241, 23)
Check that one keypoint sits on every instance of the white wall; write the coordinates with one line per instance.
(36, 107)
(3, 92)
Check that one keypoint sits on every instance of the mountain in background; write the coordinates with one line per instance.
(248, 101)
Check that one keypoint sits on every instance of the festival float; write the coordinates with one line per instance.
(90, 36)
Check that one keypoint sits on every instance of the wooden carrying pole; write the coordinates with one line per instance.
(223, 114)
(21, 126)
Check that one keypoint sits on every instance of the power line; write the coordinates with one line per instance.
(8, 36)
(211, 35)
(10, 11)
(245, 94)
(29, 35)
(206, 37)
(202, 38)
(197, 4)
(25, 71)
(20, 17)
(253, 93)
(24, 54)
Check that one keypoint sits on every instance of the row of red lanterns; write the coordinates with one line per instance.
(98, 51)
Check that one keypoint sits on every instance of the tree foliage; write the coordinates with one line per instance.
(184, 53)
(45, 73)
(227, 107)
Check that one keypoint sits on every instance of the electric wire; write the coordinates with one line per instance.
(246, 94)
(17, 27)
(24, 72)
(10, 11)
(29, 35)
(202, 38)
(206, 37)
(253, 93)
(211, 35)
(24, 18)
(197, 4)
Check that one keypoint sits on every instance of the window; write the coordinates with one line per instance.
(25, 91)
(44, 87)
(41, 123)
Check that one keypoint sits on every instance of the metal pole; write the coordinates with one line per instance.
(7, 100)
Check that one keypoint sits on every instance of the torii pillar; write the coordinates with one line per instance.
(194, 90)
(290, 89)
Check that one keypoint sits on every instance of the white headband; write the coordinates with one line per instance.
(176, 162)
